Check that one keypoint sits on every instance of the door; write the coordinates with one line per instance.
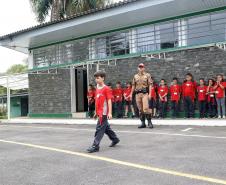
(81, 90)
(24, 106)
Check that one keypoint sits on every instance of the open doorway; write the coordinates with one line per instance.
(81, 90)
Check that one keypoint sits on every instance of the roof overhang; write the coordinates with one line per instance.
(130, 14)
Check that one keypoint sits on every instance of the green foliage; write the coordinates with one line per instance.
(64, 8)
(17, 68)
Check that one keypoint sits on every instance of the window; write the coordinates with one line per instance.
(218, 26)
(167, 35)
(146, 39)
(100, 48)
(118, 44)
(199, 30)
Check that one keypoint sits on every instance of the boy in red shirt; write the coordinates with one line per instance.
(128, 100)
(175, 91)
(211, 98)
(202, 91)
(103, 112)
(118, 96)
(91, 100)
(152, 98)
(162, 92)
(188, 91)
(220, 96)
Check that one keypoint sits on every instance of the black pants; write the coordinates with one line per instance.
(212, 109)
(162, 109)
(102, 129)
(202, 109)
(175, 108)
(118, 107)
(91, 109)
(188, 107)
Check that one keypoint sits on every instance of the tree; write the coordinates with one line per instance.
(58, 9)
(17, 68)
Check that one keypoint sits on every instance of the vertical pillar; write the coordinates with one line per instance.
(73, 92)
(182, 32)
(8, 99)
(133, 41)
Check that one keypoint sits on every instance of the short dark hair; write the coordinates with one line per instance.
(118, 83)
(201, 79)
(175, 78)
(130, 83)
(109, 84)
(189, 74)
(101, 74)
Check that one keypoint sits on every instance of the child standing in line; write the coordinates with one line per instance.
(112, 99)
(162, 92)
(103, 112)
(220, 96)
(91, 100)
(128, 100)
(211, 99)
(118, 97)
(175, 91)
(202, 91)
(188, 91)
(152, 99)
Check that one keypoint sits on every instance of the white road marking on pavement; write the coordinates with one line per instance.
(122, 163)
(122, 131)
(187, 129)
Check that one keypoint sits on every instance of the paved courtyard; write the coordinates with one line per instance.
(47, 154)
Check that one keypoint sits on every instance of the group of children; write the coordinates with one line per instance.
(210, 98)
(121, 100)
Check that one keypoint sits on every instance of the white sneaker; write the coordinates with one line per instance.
(219, 117)
(223, 117)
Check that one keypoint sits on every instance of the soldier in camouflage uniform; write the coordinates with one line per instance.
(141, 87)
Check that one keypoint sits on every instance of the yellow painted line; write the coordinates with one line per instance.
(122, 163)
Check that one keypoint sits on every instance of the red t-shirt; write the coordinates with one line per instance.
(102, 97)
(162, 91)
(220, 93)
(153, 93)
(118, 94)
(91, 96)
(127, 93)
(210, 96)
(202, 93)
(188, 89)
(175, 91)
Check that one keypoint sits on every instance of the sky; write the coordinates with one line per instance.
(14, 16)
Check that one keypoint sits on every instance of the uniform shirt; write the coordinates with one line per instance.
(103, 94)
(162, 91)
(127, 93)
(202, 90)
(141, 81)
(153, 92)
(113, 98)
(118, 94)
(220, 93)
(188, 89)
(91, 96)
(210, 96)
(175, 91)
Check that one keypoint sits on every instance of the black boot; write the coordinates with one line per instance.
(148, 116)
(142, 118)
